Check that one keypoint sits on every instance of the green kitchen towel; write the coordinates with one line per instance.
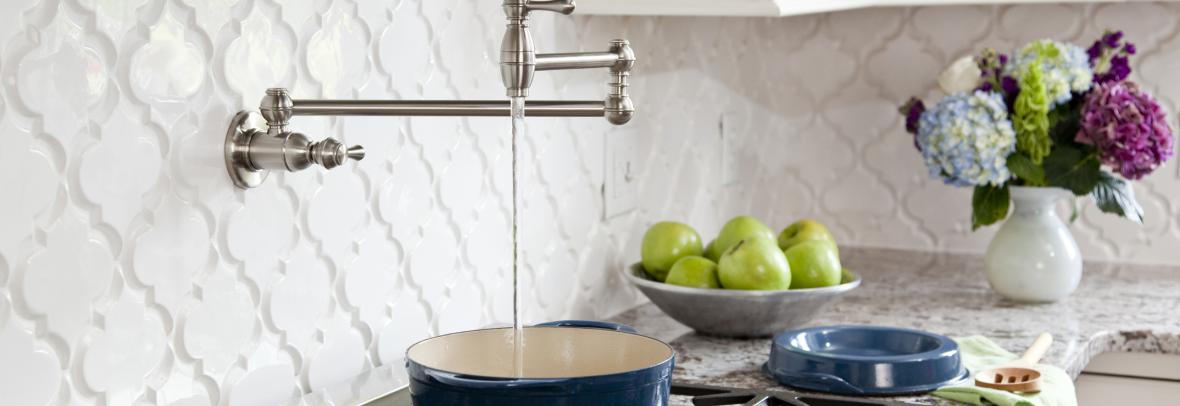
(980, 353)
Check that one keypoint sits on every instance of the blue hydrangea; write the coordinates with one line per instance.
(1066, 68)
(966, 139)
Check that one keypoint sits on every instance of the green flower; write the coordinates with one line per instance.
(1065, 68)
(1031, 115)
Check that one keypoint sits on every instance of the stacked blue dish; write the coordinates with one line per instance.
(864, 360)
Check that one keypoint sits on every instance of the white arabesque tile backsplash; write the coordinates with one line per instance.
(132, 272)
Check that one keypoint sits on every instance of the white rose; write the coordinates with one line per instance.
(962, 76)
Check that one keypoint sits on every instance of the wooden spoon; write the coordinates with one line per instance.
(1020, 376)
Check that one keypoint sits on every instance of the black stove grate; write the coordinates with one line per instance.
(705, 395)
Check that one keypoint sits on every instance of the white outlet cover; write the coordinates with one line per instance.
(620, 189)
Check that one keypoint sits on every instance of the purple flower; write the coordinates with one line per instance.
(991, 67)
(1128, 127)
(912, 110)
(912, 117)
(1111, 39)
(1119, 69)
(1094, 51)
(1009, 85)
(1108, 56)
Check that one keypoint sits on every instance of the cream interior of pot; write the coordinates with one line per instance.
(549, 352)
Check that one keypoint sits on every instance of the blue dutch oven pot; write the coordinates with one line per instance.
(567, 363)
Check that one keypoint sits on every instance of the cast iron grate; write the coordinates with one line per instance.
(705, 395)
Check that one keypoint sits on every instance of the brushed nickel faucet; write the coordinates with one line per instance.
(251, 151)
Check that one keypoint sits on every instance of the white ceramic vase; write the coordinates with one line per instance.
(1033, 257)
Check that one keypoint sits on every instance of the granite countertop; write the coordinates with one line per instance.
(1116, 308)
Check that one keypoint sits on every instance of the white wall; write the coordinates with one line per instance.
(132, 271)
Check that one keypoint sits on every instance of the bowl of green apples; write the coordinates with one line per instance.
(747, 282)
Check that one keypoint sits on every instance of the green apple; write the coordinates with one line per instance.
(694, 271)
(665, 243)
(740, 228)
(803, 230)
(711, 251)
(814, 264)
(754, 264)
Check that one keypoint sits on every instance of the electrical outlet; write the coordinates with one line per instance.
(620, 190)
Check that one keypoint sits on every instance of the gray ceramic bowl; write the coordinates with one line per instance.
(739, 313)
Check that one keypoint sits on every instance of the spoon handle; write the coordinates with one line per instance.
(1037, 349)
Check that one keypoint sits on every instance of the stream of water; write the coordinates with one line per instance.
(517, 328)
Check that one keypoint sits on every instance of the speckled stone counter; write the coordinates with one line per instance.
(1116, 308)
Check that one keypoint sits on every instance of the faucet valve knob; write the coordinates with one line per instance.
(330, 153)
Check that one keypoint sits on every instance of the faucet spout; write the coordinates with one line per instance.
(518, 57)
(519, 60)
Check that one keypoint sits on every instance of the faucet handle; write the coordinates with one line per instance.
(557, 6)
(330, 153)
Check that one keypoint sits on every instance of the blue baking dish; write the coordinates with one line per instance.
(568, 363)
(864, 360)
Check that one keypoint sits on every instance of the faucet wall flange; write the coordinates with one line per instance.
(243, 127)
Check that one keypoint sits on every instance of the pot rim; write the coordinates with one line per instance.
(541, 380)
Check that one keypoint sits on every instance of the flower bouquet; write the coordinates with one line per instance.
(1050, 114)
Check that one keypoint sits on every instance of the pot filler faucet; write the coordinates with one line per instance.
(252, 152)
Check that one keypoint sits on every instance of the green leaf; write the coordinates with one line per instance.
(1065, 121)
(1114, 195)
(1075, 210)
(989, 204)
(1072, 168)
(1024, 168)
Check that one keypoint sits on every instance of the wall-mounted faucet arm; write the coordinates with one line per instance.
(446, 108)
(620, 58)
(576, 60)
(277, 107)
